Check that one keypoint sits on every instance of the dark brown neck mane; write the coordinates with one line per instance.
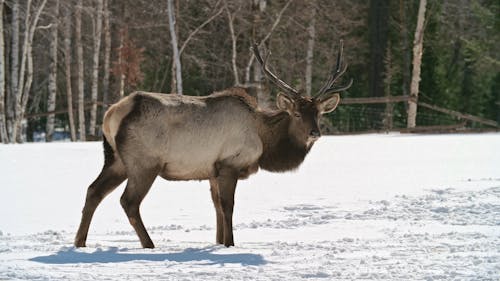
(280, 152)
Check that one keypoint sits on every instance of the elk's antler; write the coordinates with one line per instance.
(271, 76)
(340, 68)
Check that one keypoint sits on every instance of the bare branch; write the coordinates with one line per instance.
(48, 26)
(196, 30)
(268, 35)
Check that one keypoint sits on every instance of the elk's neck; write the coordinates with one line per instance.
(280, 151)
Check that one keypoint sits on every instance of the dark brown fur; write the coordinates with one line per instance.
(280, 152)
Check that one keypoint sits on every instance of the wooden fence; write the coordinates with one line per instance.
(461, 126)
(462, 117)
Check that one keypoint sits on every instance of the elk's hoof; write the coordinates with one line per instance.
(80, 244)
(148, 245)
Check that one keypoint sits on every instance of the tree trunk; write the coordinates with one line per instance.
(26, 92)
(95, 68)
(311, 32)
(230, 20)
(21, 77)
(79, 76)
(14, 71)
(3, 130)
(24, 87)
(107, 55)
(51, 103)
(67, 64)
(417, 60)
(123, 34)
(175, 48)
(263, 98)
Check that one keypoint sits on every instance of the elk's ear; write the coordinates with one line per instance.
(329, 104)
(285, 103)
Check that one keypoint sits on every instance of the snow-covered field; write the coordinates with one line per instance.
(374, 207)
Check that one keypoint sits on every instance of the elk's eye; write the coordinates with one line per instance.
(297, 115)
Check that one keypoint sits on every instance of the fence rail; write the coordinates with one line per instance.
(373, 100)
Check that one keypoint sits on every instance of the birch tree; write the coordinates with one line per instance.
(51, 103)
(26, 71)
(234, 51)
(417, 60)
(14, 71)
(259, 7)
(107, 54)
(67, 69)
(175, 48)
(3, 131)
(121, 55)
(79, 63)
(95, 67)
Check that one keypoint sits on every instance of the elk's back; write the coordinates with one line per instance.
(186, 136)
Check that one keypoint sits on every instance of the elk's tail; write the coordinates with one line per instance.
(109, 154)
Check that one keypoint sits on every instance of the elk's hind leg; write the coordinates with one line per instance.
(138, 186)
(111, 176)
(214, 190)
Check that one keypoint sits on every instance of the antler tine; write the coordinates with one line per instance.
(336, 74)
(271, 76)
(336, 90)
(340, 69)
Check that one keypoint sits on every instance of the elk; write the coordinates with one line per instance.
(222, 138)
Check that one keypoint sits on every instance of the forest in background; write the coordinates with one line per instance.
(83, 55)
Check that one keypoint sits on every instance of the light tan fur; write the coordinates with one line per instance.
(182, 155)
(113, 118)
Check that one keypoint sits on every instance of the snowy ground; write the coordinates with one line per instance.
(376, 207)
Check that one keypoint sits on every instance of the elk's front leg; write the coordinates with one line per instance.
(214, 190)
(226, 179)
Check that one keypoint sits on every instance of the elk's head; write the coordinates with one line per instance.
(305, 111)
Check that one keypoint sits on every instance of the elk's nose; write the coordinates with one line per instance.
(314, 134)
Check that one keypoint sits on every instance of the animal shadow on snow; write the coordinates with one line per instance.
(113, 255)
